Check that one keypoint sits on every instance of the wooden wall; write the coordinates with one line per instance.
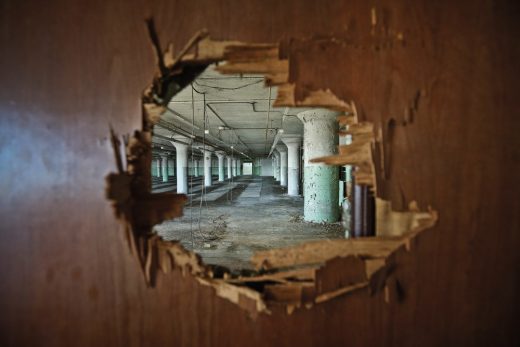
(447, 74)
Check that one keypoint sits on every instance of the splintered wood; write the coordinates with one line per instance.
(261, 59)
(135, 206)
(319, 251)
(315, 272)
(298, 276)
(313, 98)
(359, 153)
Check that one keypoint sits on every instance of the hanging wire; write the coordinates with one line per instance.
(261, 80)
(192, 167)
(268, 116)
(232, 175)
(203, 195)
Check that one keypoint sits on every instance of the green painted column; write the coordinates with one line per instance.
(282, 150)
(234, 167)
(207, 152)
(229, 167)
(158, 167)
(196, 168)
(220, 156)
(164, 167)
(181, 155)
(293, 163)
(171, 166)
(276, 166)
(258, 167)
(321, 182)
(154, 168)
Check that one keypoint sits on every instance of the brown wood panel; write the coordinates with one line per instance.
(69, 69)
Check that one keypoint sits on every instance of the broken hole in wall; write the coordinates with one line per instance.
(233, 100)
(209, 132)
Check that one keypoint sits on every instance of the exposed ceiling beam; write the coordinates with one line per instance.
(225, 124)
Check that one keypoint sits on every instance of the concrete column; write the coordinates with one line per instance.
(196, 168)
(273, 165)
(181, 153)
(158, 167)
(293, 163)
(207, 166)
(283, 164)
(239, 167)
(171, 166)
(164, 167)
(321, 182)
(276, 165)
(220, 156)
(229, 167)
(234, 167)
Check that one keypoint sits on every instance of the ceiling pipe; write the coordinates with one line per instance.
(161, 147)
(226, 125)
(173, 128)
(252, 103)
(224, 101)
(279, 133)
(194, 137)
(169, 139)
(181, 118)
(216, 114)
(197, 139)
(245, 128)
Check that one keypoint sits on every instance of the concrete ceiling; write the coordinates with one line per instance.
(238, 112)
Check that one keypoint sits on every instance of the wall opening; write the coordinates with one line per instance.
(297, 275)
(207, 133)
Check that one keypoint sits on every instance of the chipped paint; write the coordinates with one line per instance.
(320, 191)
(320, 188)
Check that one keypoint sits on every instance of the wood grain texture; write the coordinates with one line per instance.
(447, 75)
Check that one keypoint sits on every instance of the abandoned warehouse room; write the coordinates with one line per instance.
(257, 173)
(242, 164)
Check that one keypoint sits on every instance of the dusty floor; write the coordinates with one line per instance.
(241, 217)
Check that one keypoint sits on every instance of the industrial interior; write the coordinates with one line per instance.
(245, 166)
(259, 173)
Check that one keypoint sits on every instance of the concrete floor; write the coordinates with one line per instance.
(241, 217)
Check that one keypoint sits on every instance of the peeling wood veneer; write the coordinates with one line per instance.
(298, 276)
(323, 98)
(360, 152)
